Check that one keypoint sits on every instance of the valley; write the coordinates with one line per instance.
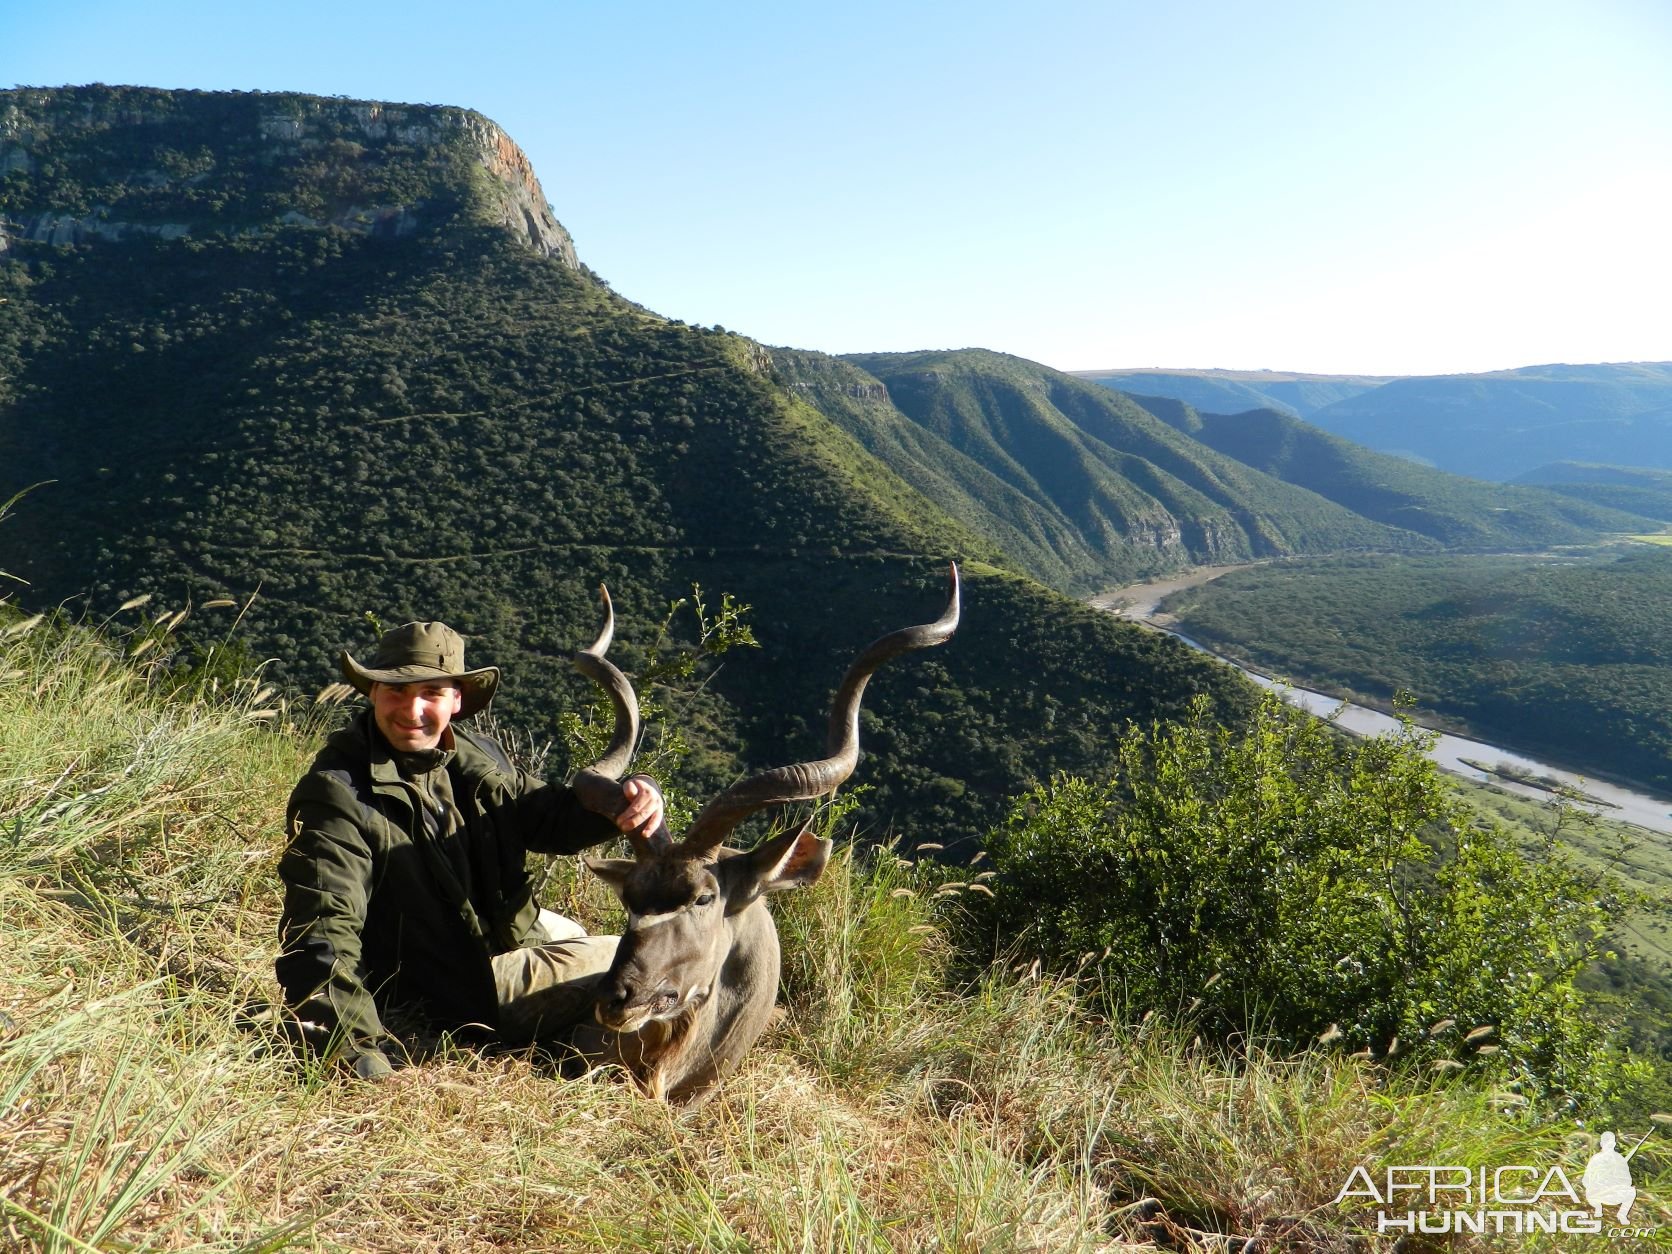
(1560, 655)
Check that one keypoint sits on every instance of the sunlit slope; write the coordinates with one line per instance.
(1457, 511)
(1107, 488)
(1030, 528)
(452, 423)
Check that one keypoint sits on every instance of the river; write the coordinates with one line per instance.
(1140, 603)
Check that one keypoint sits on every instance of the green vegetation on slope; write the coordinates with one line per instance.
(1567, 658)
(117, 162)
(1033, 532)
(322, 426)
(1457, 512)
(1271, 873)
(1042, 461)
(1635, 489)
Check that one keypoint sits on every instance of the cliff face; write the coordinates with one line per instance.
(81, 164)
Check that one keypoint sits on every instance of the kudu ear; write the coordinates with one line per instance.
(789, 861)
(613, 871)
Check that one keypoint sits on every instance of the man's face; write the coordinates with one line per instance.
(413, 717)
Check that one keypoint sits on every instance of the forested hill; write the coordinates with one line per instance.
(1566, 657)
(1079, 482)
(122, 163)
(231, 383)
(1455, 510)
(1640, 490)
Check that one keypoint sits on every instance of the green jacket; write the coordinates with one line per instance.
(378, 913)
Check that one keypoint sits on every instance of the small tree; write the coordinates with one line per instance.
(1276, 878)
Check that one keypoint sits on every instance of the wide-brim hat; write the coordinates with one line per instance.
(416, 653)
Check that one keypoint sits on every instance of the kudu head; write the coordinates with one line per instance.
(689, 927)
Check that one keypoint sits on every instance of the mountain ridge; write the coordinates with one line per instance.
(1455, 510)
(145, 186)
(1103, 472)
(1490, 425)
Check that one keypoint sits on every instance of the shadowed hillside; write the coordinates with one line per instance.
(1636, 489)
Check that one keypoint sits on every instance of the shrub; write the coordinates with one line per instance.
(1272, 877)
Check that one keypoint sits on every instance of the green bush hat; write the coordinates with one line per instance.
(418, 652)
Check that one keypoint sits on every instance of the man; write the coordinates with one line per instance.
(404, 878)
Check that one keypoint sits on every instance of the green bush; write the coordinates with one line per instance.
(1272, 877)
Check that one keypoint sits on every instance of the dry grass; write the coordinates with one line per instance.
(886, 1111)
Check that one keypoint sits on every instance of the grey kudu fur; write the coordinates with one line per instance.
(696, 974)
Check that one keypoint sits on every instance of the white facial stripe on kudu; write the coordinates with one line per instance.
(636, 922)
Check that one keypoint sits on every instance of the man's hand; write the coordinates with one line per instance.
(643, 811)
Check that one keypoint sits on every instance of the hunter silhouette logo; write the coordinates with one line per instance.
(1607, 1178)
(1510, 1198)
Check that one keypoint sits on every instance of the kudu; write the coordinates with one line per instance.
(695, 976)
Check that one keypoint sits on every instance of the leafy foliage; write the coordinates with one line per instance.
(1271, 876)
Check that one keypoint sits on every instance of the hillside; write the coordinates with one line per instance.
(135, 163)
(1500, 425)
(1456, 511)
(1233, 391)
(1035, 534)
(277, 404)
(1045, 463)
(1565, 658)
(1636, 489)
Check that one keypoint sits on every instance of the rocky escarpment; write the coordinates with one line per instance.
(84, 164)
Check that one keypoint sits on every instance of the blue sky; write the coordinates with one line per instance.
(1331, 187)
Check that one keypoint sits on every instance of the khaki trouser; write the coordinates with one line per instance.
(547, 989)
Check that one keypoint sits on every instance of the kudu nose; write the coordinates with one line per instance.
(618, 998)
